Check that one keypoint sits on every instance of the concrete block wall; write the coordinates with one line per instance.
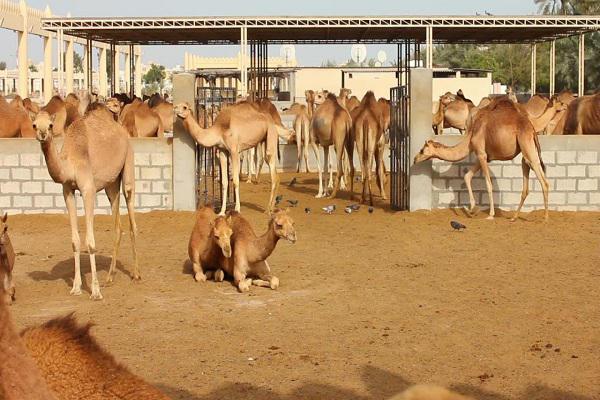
(26, 186)
(573, 171)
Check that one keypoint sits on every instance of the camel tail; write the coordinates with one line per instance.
(539, 150)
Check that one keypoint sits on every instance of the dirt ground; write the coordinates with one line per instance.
(368, 305)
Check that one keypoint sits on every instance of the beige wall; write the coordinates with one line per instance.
(317, 79)
(473, 88)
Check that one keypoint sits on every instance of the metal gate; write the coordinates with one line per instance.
(209, 101)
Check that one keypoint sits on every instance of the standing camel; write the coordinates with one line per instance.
(499, 131)
(583, 116)
(96, 155)
(310, 102)
(331, 125)
(237, 128)
(453, 112)
(302, 128)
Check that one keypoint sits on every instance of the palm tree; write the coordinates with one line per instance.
(565, 7)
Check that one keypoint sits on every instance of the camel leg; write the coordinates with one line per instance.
(346, 168)
(235, 167)
(69, 196)
(380, 167)
(319, 169)
(128, 184)
(224, 181)
(468, 178)
(525, 192)
(327, 168)
(272, 163)
(370, 157)
(530, 153)
(89, 197)
(306, 143)
(239, 278)
(250, 155)
(339, 150)
(488, 182)
(219, 275)
(265, 278)
(113, 193)
(298, 129)
(260, 161)
(199, 275)
(350, 152)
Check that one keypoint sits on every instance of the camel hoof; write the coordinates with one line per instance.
(200, 277)
(109, 281)
(219, 275)
(243, 287)
(490, 217)
(136, 277)
(75, 291)
(274, 284)
(96, 296)
(320, 196)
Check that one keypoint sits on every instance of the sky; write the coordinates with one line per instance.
(306, 55)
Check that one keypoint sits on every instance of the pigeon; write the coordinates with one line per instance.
(370, 210)
(292, 182)
(348, 210)
(293, 203)
(329, 209)
(307, 210)
(354, 207)
(278, 199)
(457, 226)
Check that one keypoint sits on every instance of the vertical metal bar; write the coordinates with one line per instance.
(533, 68)
(131, 71)
(552, 67)
(581, 70)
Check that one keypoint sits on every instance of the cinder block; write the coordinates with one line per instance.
(54, 211)
(556, 171)
(447, 197)
(30, 160)
(557, 198)
(101, 211)
(511, 198)
(478, 184)
(440, 184)
(161, 159)
(535, 198)
(576, 171)
(587, 157)
(167, 173)
(143, 187)
(566, 184)
(448, 170)
(4, 174)
(593, 171)
(589, 208)
(23, 174)
(141, 159)
(456, 184)
(595, 198)
(549, 157)
(33, 211)
(59, 201)
(587, 184)
(151, 173)
(43, 201)
(9, 160)
(10, 187)
(160, 187)
(102, 201)
(511, 171)
(566, 157)
(4, 202)
(150, 200)
(503, 184)
(41, 174)
(463, 198)
(52, 188)
(577, 198)
(167, 201)
(21, 201)
(31, 187)
(568, 208)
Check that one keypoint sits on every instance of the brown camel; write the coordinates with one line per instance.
(14, 121)
(96, 154)
(352, 103)
(7, 262)
(237, 128)
(140, 121)
(367, 132)
(344, 96)
(557, 125)
(455, 110)
(57, 108)
(20, 378)
(536, 105)
(583, 116)
(210, 238)
(72, 104)
(429, 392)
(250, 252)
(302, 132)
(75, 367)
(499, 131)
(331, 125)
(540, 123)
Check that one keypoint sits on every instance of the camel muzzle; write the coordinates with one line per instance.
(226, 251)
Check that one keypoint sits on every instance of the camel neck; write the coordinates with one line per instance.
(540, 123)
(53, 161)
(205, 137)
(264, 245)
(454, 153)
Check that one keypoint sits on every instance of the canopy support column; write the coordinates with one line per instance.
(244, 61)
(581, 86)
(533, 68)
(429, 44)
(552, 67)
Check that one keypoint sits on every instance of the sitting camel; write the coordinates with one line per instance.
(7, 262)
(96, 154)
(14, 120)
(302, 128)
(250, 252)
(499, 131)
(237, 128)
(210, 238)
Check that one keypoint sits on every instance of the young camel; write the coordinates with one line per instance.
(210, 238)
(302, 129)
(250, 252)
(96, 155)
(7, 262)
(499, 131)
(237, 128)
(75, 367)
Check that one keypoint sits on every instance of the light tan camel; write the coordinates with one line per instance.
(352, 103)
(302, 132)
(536, 105)
(499, 131)
(141, 121)
(7, 262)
(14, 121)
(455, 110)
(583, 116)
(20, 378)
(210, 239)
(72, 104)
(248, 263)
(75, 367)
(331, 125)
(266, 107)
(57, 108)
(237, 128)
(310, 102)
(367, 133)
(429, 392)
(96, 155)
(554, 107)
(557, 125)
(344, 96)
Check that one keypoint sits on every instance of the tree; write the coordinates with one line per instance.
(329, 63)
(77, 62)
(2, 65)
(33, 68)
(156, 74)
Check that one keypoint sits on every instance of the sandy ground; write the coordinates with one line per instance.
(368, 305)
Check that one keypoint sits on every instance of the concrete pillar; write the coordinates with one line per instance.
(184, 148)
(186, 61)
(552, 67)
(533, 68)
(138, 73)
(421, 92)
(243, 61)
(429, 44)
(127, 71)
(48, 81)
(581, 71)
(117, 70)
(22, 53)
(102, 76)
(69, 66)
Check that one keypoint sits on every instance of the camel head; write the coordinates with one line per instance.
(221, 230)
(427, 152)
(284, 225)
(345, 92)
(183, 110)
(43, 124)
(310, 95)
(114, 105)
(321, 96)
(7, 260)
(447, 98)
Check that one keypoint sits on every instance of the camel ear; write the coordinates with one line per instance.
(4, 218)
(32, 115)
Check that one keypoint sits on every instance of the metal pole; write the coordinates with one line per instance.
(429, 44)
(552, 67)
(581, 86)
(533, 68)
(131, 71)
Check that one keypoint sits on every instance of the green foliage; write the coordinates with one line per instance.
(33, 68)
(156, 74)
(2, 65)
(77, 62)
(329, 63)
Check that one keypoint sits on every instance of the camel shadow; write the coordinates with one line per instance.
(64, 270)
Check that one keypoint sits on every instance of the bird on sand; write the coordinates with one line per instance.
(354, 207)
(278, 199)
(329, 209)
(457, 226)
(307, 210)
(292, 182)
(371, 210)
(293, 203)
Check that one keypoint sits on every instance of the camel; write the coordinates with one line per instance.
(302, 128)
(331, 125)
(96, 155)
(57, 108)
(499, 131)
(7, 262)
(139, 120)
(237, 128)
(250, 252)
(72, 105)
(344, 96)
(429, 392)
(75, 367)
(583, 116)
(164, 110)
(453, 112)
(14, 121)
(367, 132)
(20, 377)
(554, 108)
(536, 105)
(310, 102)
(210, 238)
(557, 124)
(352, 103)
